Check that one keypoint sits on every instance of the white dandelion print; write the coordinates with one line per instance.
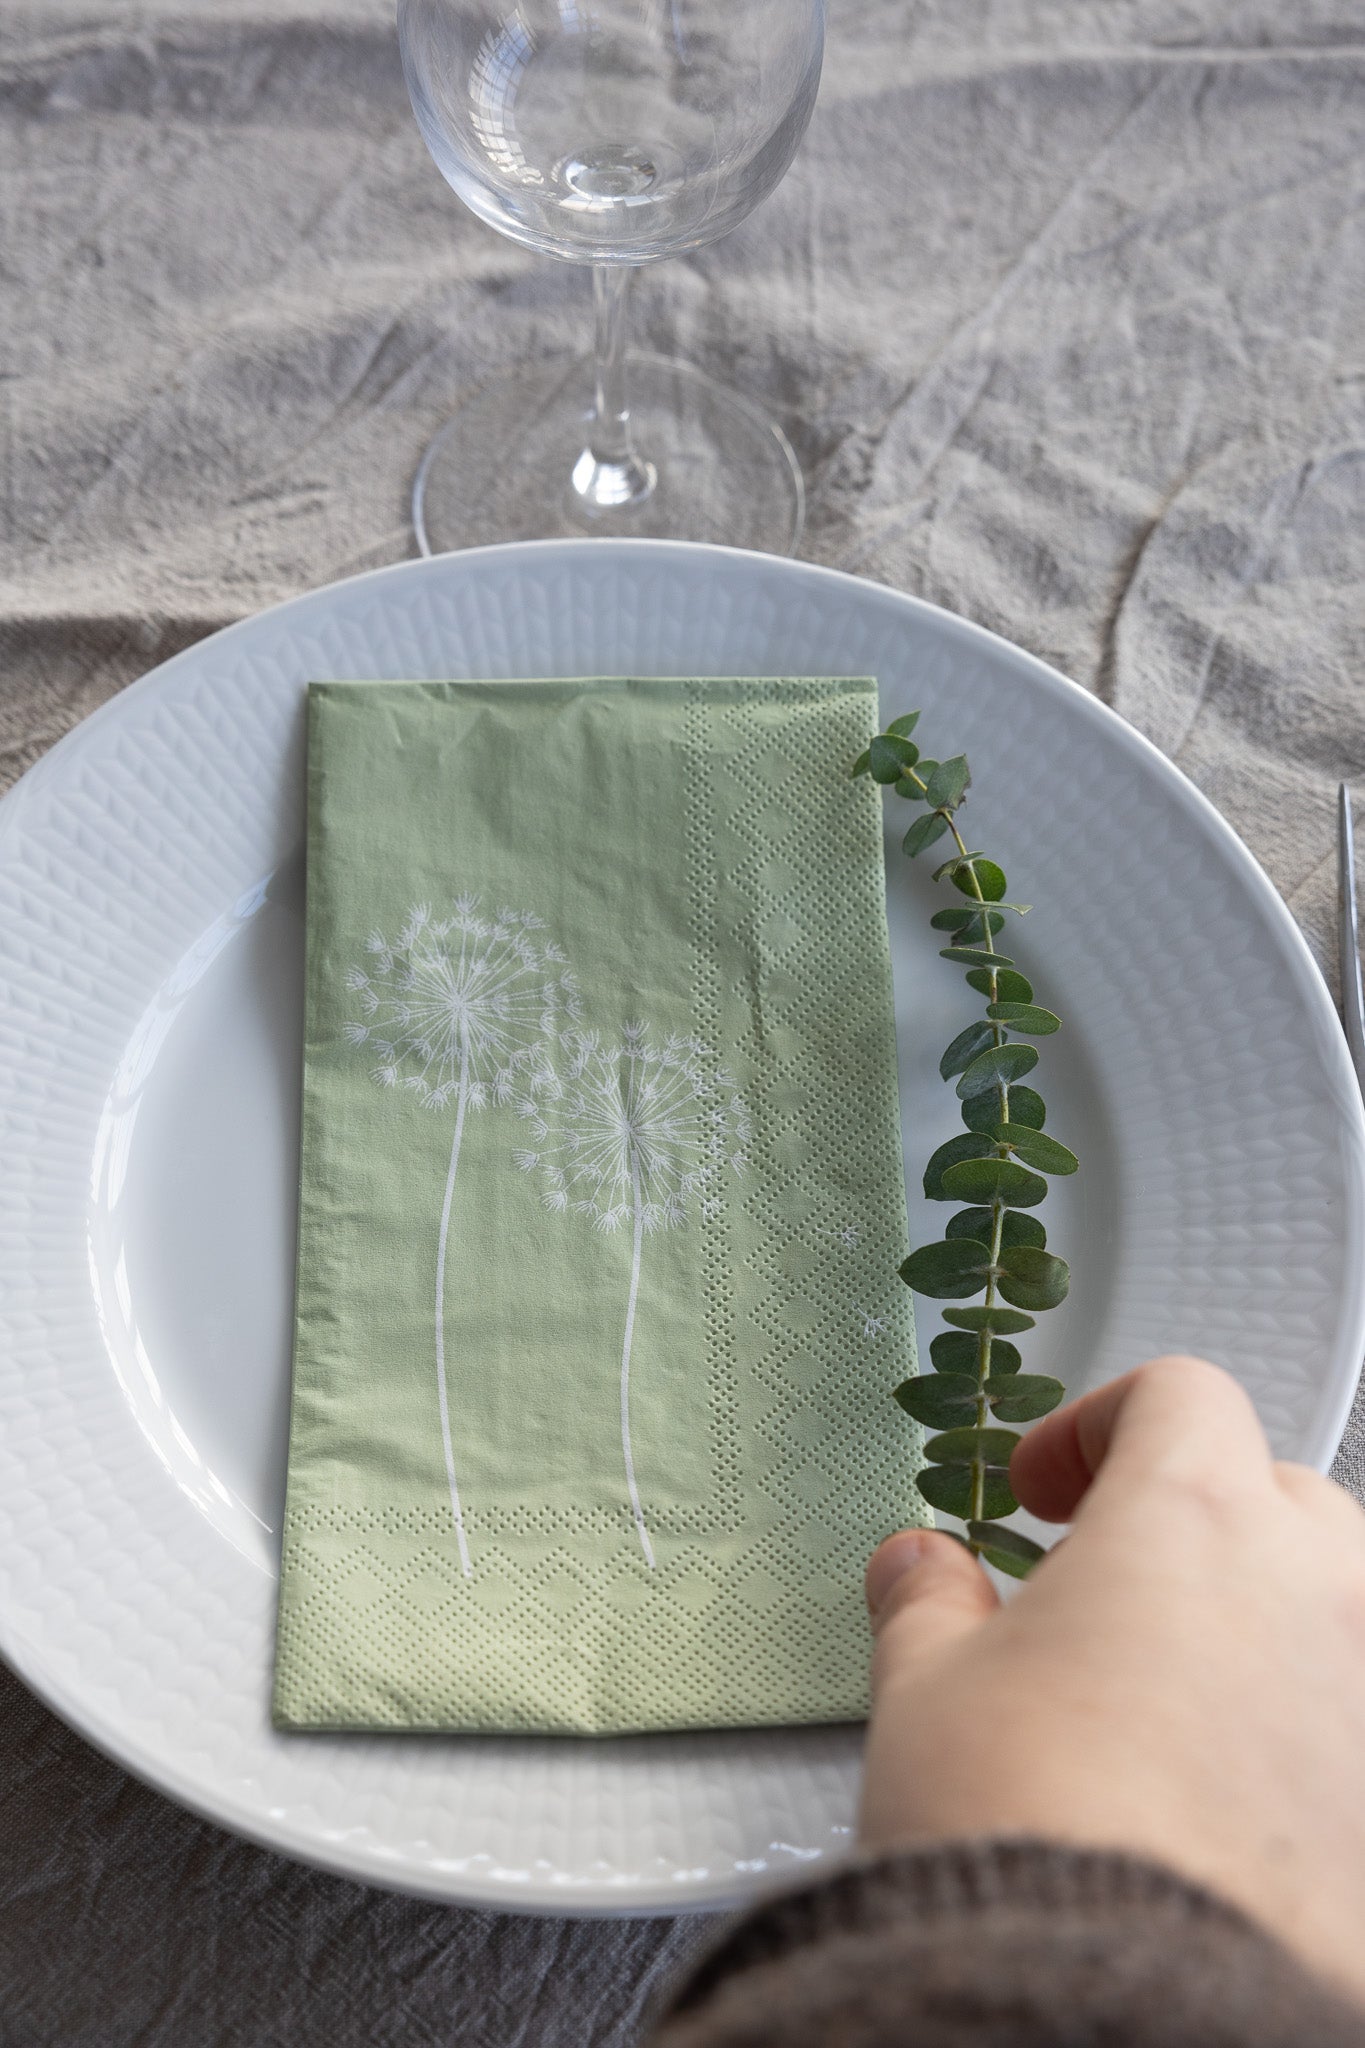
(633, 1135)
(456, 1009)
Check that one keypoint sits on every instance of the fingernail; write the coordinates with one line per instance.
(890, 1563)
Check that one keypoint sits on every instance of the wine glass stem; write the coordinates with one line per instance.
(609, 476)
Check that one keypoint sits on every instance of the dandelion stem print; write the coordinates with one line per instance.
(458, 1008)
(633, 1134)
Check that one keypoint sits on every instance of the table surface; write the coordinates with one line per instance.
(1064, 309)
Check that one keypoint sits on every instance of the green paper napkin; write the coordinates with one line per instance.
(600, 1213)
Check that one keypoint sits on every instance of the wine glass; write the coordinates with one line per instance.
(610, 133)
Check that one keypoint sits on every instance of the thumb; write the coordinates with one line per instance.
(925, 1591)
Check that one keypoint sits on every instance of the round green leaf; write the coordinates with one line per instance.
(976, 930)
(903, 726)
(990, 879)
(1032, 1279)
(888, 755)
(1001, 1322)
(1015, 1227)
(910, 788)
(1035, 1146)
(976, 1223)
(1010, 987)
(992, 1180)
(1029, 1018)
(860, 766)
(973, 956)
(1027, 1110)
(972, 1446)
(1007, 1063)
(948, 782)
(1007, 1549)
(959, 1351)
(924, 767)
(923, 833)
(947, 1271)
(949, 1488)
(940, 1400)
(968, 1146)
(954, 862)
(970, 925)
(965, 1048)
(1023, 1396)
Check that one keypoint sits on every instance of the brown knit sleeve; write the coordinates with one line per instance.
(1018, 1944)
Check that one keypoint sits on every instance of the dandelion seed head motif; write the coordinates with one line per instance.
(628, 1124)
(466, 998)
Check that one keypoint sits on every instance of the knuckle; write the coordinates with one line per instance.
(1200, 1488)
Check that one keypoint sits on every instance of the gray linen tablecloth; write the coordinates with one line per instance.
(1064, 305)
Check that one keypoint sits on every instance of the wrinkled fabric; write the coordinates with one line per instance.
(1062, 305)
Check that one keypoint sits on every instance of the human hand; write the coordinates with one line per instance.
(1184, 1676)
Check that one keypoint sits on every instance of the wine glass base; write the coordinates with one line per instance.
(501, 468)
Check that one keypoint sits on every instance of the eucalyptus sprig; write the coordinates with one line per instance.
(997, 1166)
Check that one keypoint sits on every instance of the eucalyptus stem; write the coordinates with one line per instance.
(997, 1246)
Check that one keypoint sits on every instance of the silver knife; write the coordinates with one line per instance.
(1348, 938)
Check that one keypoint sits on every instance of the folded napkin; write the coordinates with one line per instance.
(600, 1213)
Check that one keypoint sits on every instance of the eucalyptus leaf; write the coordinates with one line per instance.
(910, 788)
(1010, 987)
(980, 874)
(958, 1351)
(889, 755)
(972, 1446)
(1032, 1279)
(923, 833)
(903, 726)
(860, 766)
(1001, 1322)
(1023, 1396)
(965, 1048)
(969, 1146)
(1034, 1147)
(1028, 1111)
(924, 768)
(985, 923)
(1029, 1018)
(949, 1488)
(1002, 1063)
(1016, 1227)
(948, 783)
(954, 862)
(939, 1400)
(1006, 1549)
(949, 1270)
(991, 1179)
(970, 925)
(973, 956)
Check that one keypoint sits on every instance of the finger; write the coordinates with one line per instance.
(1178, 1416)
(924, 1589)
(1323, 1499)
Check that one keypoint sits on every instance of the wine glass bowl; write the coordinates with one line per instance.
(610, 133)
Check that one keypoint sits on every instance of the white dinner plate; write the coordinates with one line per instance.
(150, 939)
